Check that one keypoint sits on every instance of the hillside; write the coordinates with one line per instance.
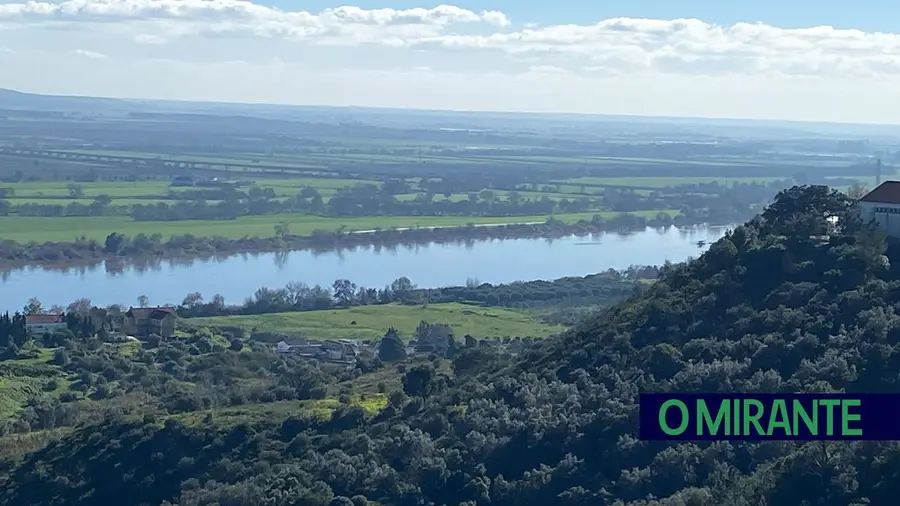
(370, 322)
(786, 303)
(17, 100)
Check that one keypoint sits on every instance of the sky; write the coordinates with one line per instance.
(797, 60)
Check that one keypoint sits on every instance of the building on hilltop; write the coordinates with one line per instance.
(140, 322)
(38, 324)
(883, 206)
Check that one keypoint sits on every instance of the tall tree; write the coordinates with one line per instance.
(33, 306)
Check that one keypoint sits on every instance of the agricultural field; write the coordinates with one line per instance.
(371, 322)
(161, 188)
(40, 160)
(662, 182)
(153, 192)
(42, 229)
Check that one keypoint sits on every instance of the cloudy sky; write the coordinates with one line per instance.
(796, 59)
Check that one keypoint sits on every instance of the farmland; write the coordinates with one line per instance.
(41, 229)
(209, 175)
(371, 322)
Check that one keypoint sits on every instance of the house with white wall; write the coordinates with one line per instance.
(882, 205)
(39, 324)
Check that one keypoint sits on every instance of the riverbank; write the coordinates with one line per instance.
(432, 265)
(27, 229)
(120, 251)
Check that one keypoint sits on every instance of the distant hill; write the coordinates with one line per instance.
(428, 119)
(17, 100)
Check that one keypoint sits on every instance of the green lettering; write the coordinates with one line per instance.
(830, 404)
(812, 423)
(704, 419)
(684, 417)
(736, 430)
(846, 417)
(778, 418)
(752, 418)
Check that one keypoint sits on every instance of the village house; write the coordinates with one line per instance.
(40, 324)
(883, 206)
(140, 322)
(341, 351)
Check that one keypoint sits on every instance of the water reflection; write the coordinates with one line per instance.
(437, 264)
(281, 259)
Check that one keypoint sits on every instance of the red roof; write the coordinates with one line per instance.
(887, 192)
(42, 319)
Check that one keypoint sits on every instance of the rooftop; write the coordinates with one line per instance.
(887, 192)
(42, 319)
(151, 312)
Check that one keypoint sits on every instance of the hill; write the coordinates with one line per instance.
(370, 322)
(788, 302)
(17, 100)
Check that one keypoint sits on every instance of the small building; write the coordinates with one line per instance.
(143, 321)
(341, 351)
(882, 205)
(182, 181)
(40, 324)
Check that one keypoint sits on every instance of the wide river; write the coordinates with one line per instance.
(238, 277)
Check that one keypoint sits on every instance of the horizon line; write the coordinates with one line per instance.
(582, 115)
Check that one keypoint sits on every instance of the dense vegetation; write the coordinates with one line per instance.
(606, 287)
(788, 302)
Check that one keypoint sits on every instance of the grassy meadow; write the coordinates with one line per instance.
(371, 322)
(24, 229)
(662, 182)
(149, 192)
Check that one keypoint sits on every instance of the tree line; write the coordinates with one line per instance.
(608, 287)
(121, 246)
(374, 200)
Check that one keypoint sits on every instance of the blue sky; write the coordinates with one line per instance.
(868, 15)
(634, 57)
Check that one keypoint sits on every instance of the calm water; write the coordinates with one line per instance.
(238, 277)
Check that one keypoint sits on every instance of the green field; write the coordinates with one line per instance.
(114, 189)
(662, 182)
(159, 188)
(57, 201)
(373, 321)
(40, 229)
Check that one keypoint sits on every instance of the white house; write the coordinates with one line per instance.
(883, 206)
(39, 324)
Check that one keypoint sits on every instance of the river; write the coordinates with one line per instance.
(239, 276)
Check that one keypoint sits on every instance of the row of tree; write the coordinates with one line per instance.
(143, 246)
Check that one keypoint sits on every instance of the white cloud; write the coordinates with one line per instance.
(88, 54)
(240, 17)
(604, 66)
(679, 46)
(148, 38)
